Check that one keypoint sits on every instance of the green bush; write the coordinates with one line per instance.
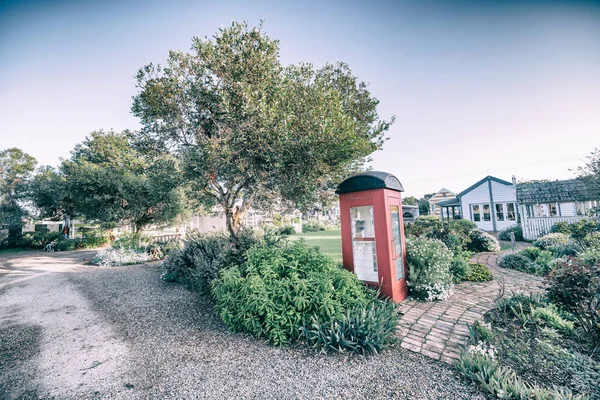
(460, 269)
(461, 226)
(280, 289)
(581, 229)
(518, 262)
(565, 250)
(38, 239)
(480, 241)
(561, 227)
(552, 239)
(543, 263)
(504, 234)
(479, 273)
(424, 224)
(287, 230)
(362, 329)
(203, 256)
(531, 252)
(313, 226)
(429, 276)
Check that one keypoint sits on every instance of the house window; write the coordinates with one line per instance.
(511, 215)
(552, 210)
(444, 195)
(486, 213)
(476, 214)
(499, 212)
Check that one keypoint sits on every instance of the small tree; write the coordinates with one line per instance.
(251, 132)
(590, 173)
(15, 172)
(109, 181)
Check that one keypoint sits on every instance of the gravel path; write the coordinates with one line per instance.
(71, 331)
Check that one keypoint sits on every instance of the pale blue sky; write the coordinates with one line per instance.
(477, 87)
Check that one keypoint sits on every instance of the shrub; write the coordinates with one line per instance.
(429, 269)
(561, 227)
(313, 226)
(362, 329)
(575, 286)
(287, 230)
(116, 257)
(280, 289)
(425, 224)
(462, 227)
(203, 256)
(38, 239)
(479, 273)
(517, 261)
(481, 241)
(543, 263)
(581, 229)
(460, 269)
(531, 252)
(565, 250)
(131, 240)
(552, 239)
(504, 234)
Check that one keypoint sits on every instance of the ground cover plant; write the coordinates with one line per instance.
(531, 347)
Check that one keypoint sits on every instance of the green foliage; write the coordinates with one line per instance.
(429, 269)
(551, 316)
(561, 227)
(280, 289)
(15, 173)
(531, 252)
(479, 273)
(504, 234)
(91, 241)
(203, 256)
(50, 195)
(425, 224)
(581, 229)
(481, 241)
(313, 226)
(109, 181)
(361, 329)
(287, 230)
(552, 239)
(517, 261)
(38, 239)
(460, 269)
(461, 226)
(250, 130)
(502, 382)
(565, 250)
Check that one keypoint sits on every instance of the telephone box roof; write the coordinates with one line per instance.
(368, 181)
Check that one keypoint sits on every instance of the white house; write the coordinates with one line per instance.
(442, 195)
(490, 203)
(544, 203)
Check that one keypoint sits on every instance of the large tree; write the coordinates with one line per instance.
(251, 132)
(108, 181)
(16, 168)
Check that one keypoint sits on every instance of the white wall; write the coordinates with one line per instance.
(501, 193)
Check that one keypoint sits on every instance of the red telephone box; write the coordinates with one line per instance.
(373, 231)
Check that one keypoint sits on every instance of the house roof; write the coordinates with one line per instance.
(449, 203)
(368, 181)
(536, 192)
(487, 178)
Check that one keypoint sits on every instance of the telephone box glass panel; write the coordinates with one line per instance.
(364, 252)
(397, 242)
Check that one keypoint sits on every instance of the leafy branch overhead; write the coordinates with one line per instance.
(250, 131)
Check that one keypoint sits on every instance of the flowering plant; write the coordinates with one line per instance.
(429, 269)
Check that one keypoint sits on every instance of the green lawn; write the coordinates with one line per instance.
(330, 242)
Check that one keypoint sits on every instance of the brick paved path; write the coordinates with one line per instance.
(438, 329)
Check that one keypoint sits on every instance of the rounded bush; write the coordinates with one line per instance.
(429, 263)
(551, 240)
(480, 241)
(518, 262)
(479, 273)
(504, 234)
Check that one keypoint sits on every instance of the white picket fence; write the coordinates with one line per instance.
(533, 228)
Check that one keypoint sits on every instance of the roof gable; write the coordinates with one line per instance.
(443, 190)
(479, 183)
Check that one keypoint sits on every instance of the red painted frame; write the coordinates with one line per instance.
(381, 200)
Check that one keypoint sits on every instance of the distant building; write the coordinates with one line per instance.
(442, 195)
(544, 203)
(490, 203)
